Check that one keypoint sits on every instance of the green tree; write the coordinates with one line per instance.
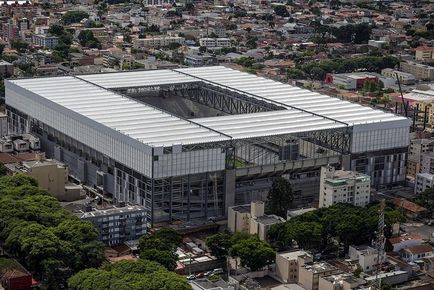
(166, 258)
(19, 45)
(295, 73)
(280, 197)
(253, 253)
(74, 16)
(3, 169)
(251, 42)
(219, 244)
(129, 275)
(281, 10)
(87, 39)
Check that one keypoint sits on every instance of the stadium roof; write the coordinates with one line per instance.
(290, 96)
(137, 120)
(92, 97)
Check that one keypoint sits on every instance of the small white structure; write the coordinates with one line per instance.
(367, 257)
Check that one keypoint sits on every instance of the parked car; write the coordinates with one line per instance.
(191, 277)
(218, 271)
(200, 275)
(209, 273)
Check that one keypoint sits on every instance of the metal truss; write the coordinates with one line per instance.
(227, 101)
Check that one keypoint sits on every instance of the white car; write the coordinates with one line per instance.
(191, 277)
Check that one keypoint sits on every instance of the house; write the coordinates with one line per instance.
(412, 254)
(13, 276)
(411, 209)
(405, 241)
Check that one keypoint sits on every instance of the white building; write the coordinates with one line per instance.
(148, 3)
(423, 182)
(251, 219)
(157, 41)
(215, 42)
(366, 257)
(339, 186)
(404, 78)
(48, 41)
(287, 264)
(3, 124)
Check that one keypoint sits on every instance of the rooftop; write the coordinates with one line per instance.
(293, 255)
(111, 211)
(94, 97)
(319, 267)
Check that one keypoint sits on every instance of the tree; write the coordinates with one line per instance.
(87, 39)
(166, 258)
(49, 240)
(3, 169)
(281, 10)
(252, 42)
(219, 244)
(131, 275)
(19, 45)
(202, 49)
(253, 253)
(426, 199)
(74, 16)
(295, 73)
(280, 197)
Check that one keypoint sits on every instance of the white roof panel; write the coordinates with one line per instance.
(134, 119)
(287, 95)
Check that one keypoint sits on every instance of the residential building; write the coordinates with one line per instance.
(3, 125)
(416, 253)
(427, 164)
(340, 186)
(340, 281)
(418, 147)
(117, 225)
(404, 78)
(148, 3)
(215, 42)
(251, 219)
(423, 182)
(365, 256)
(287, 265)
(405, 241)
(309, 274)
(157, 41)
(349, 81)
(390, 278)
(420, 71)
(424, 53)
(51, 175)
(48, 41)
(411, 209)
(6, 69)
(13, 276)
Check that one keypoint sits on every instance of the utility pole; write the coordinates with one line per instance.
(380, 242)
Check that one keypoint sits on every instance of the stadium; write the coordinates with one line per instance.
(187, 143)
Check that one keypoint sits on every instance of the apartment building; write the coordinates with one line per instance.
(48, 41)
(424, 53)
(287, 264)
(215, 42)
(158, 41)
(251, 219)
(365, 256)
(427, 163)
(340, 186)
(404, 78)
(416, 149)
(423, 182)
(420, 71)
(340, 281)
(309, 274)
(118, 224)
